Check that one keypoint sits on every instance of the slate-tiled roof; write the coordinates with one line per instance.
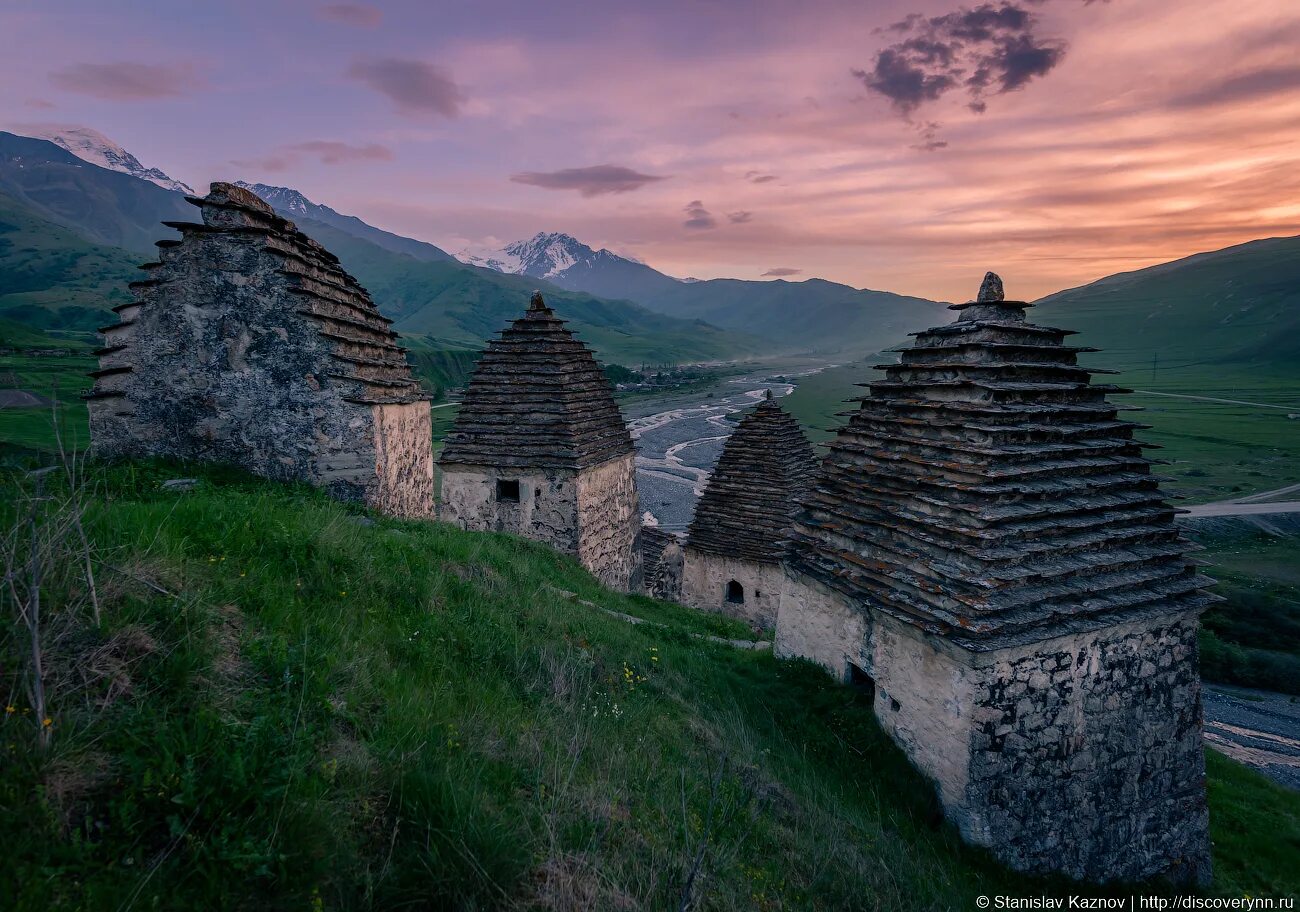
(988, 491)
(752, 494)
(537, 399)
(364, 350)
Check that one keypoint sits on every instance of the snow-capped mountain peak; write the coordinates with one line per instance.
(94, 147)
(546, 255)
(284, 199)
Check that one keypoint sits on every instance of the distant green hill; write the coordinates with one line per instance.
(102, 206)
(52, 278)
(1237, 305)
(814, 314)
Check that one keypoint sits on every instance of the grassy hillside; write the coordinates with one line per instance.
(286, 706)
(26, 432)
(1240, 304)
(50, 277)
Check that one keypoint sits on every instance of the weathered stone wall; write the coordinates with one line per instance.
(248, 344)
(816, 622)
(609, 523)
(661, 564)
(1081, 754)
(547, 509)
(704, 585)
(404, 459)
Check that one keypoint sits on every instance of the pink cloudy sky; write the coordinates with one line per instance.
(901, 144)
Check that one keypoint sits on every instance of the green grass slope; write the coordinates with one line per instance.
(1239, 304)
(287, 707)
(52, 278)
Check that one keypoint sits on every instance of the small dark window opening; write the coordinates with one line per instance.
(507, 491)
(735, 593)
(860, 681)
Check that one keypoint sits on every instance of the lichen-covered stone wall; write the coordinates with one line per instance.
(609, 523)
(1080, 754)
(816, 622)
(547, 509)
(704, 585)
(248, 344)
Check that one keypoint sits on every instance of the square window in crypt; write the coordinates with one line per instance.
(735, 593)
(507, 491)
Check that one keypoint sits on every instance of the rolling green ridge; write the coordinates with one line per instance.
(1236, 305)
(103, 207)
(283, 706)
(812, 315)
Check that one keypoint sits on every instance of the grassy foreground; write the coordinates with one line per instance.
(289, 704)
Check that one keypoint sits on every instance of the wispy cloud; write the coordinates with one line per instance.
(126, 81)
(778, 272)
(698, 217)
(416, 87)
(355, 14)
(594, 180)
(327, 152)
(740, 217)
(758, 177)
(1261, 83)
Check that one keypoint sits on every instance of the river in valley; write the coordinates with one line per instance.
(679, 439)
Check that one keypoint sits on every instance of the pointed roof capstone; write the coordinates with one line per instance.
(753, 492)
(987, 491)
(537, 398)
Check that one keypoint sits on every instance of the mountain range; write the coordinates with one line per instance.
(72, 230)
(94, 147)
(810, 315)
(72, 234)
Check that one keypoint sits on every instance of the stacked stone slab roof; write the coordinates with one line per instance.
(988, 491)
(367, 362)
(537, 399)
(753, 493)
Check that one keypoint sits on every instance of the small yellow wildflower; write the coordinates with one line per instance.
(344, 592)
(242, 574)
(11, 710)
(47, 722)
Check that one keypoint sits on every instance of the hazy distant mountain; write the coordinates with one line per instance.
(293, 205)
(1239, 304)
(94, 147)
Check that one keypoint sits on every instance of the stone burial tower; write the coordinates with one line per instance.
(732, 559)
(540, 449)
(987, 547)
(247, 343)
